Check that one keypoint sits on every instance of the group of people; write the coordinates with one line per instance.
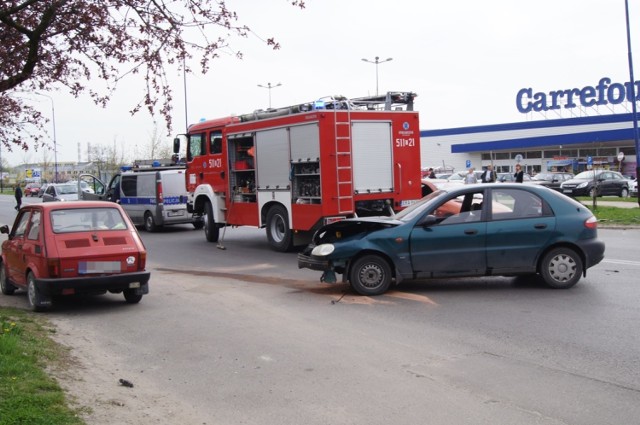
(490, 176)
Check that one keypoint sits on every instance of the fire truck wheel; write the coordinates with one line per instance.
(149, 222)
(211, 229)
(279, 234)
(370, 275)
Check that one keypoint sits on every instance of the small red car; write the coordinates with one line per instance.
(76, 247)
(32, 189)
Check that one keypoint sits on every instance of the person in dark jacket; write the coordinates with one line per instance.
(489, 176)
(18, 197)
(519, 174)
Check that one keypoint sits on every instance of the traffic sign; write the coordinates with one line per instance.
(468, 163)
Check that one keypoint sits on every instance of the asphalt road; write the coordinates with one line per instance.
(241, 336)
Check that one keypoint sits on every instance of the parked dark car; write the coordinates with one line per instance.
(500, 229)
(596, 183)
(67, 248)
(552, 180)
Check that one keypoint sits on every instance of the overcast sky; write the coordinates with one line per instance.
(466, 59)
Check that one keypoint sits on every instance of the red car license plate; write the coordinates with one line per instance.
(85, 267)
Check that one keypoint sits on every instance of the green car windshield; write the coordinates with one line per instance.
(411, 211)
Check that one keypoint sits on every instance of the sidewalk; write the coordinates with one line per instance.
(618, 204)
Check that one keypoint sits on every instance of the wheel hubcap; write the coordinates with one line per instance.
(31, 292)
(562, 268)
(371, 276)
(277, 228)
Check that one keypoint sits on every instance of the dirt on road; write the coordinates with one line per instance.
(92, 381)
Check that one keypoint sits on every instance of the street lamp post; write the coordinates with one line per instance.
(633, 95)
(376, 62)
(55, 141)
(269, 87)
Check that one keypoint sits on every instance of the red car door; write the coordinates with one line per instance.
(33, 252)
(16, 264)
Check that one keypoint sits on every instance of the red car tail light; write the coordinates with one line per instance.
(53, 266)
(591, 223)
(143, 261)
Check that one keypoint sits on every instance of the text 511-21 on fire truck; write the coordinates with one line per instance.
(294, 169)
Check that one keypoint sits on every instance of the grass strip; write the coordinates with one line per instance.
(28, 395)
(617, 216)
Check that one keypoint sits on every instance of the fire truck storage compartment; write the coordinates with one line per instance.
(242, 178)
(372, 157)
(305, 164)
(272, 150)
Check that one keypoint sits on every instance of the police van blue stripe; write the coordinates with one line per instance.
(135, 200)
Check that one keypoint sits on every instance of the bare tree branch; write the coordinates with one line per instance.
(53, 43)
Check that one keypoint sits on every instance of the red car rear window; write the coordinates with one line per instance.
(86, 219)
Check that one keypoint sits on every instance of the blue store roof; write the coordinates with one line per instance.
(532, 134)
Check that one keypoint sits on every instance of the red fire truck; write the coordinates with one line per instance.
(293, 169)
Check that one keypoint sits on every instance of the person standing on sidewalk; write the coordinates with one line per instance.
(470, 177)
(519, 174)
(489, 176)
(18, 194)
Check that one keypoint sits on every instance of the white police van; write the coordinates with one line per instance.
(153, 196)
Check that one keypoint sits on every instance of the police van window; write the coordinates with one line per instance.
(215, 142)
(115, 183)
(129, 186)
(146, 185)
(196, 146)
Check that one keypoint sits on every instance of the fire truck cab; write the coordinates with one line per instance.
(291, 170)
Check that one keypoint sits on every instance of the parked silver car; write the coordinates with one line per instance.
(60, 192)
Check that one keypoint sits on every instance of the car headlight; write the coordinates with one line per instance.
(323, 250)
(581, 185)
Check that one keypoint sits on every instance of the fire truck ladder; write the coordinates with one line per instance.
(344, 163)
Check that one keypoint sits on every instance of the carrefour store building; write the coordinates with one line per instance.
(565, 144)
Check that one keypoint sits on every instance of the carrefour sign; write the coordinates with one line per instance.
(603, 93)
